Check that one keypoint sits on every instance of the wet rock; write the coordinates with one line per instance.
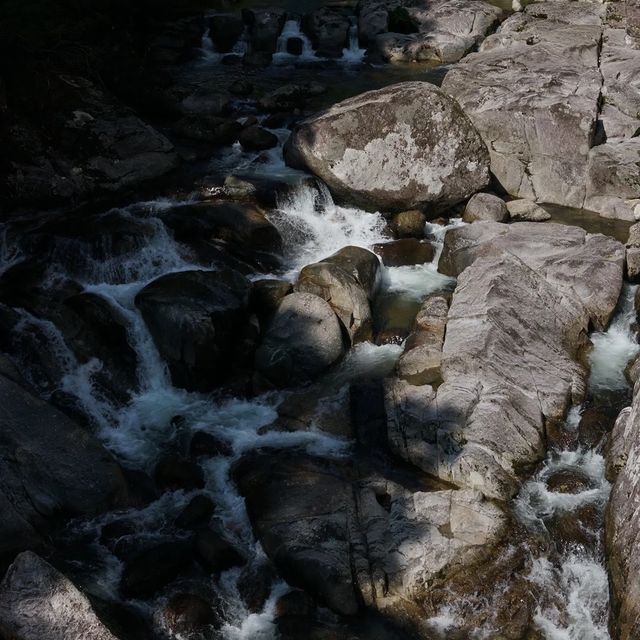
(393, 317)
(241, 225)
(265, 26)
(225, 29)
(302, 341)
(213, 129)
(404, 252)
(196, 514)
(294, 603)
(37, 602)
(189, 613)
(408, 224)
(347, 280)
(257, 138)
(254, 585)
(291, 96)
(485, 207)
(421, 359)
(152, 569)
(241, 88)
(51, 468)
(525, 210)
(354, 148)
(173, 473)
(594, 426)
(196, 319)
(295, 46)
(216, 553)
(442, 32)
(206, 444)
(576, 527)
(316, 541)
(112, 532)
(633, 253)
(536, 77)
(328, 30)
(566, 481)
(259, 59)
(266, 295)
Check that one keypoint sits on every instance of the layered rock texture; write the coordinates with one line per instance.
(554, 97)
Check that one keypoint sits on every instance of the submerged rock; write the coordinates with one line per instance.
(302, 341)
(402, 147)
(37, 602)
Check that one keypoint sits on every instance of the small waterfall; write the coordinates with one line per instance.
(614, 348)
(353, 54)
(292, 30)
(208, 49)
(242, 46)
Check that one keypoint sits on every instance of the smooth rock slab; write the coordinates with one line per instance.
(527, 211)
(37, 602)
(406, 146)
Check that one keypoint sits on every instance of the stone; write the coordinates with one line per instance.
(485, 207)
(532, 91)
(185, 614)
(266, 295)
(403, 147)
(302, 341)
(265, 26)
(408, 224)
(225, 29)
(257, 138)
(206, 128)
(440, 32)
(150, 570)
(174, 472)
(294, 46)
(633, 253)
(51, 468)
(241, 88)
(588, 266)
(348, 281)
(623, 523)
(37, 602)
(255, 584)
(527, 211)
(196, 319)
(328, 30)
(206, 444)
(216, 553)
(196, 514)
(420, 361)
(407, 251)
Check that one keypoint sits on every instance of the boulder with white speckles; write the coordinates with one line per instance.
(402, 147)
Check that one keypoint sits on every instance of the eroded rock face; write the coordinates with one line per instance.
(348, 281)
(403, 147)
(302, 341)
(532, 91)
(50, 468)
(350, 540)
(623, 522)
(442, 31)
(519, 316)
(37, 602)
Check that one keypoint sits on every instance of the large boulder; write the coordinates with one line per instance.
(37, 602)
(437, 31)
(533, 91)
(623, 522)
(197, 320)
(516, 328)
(302, 341)
(347, 280)
(265, 26)
(403, 147)
(328, 30)
(50, 468)
(352, 540)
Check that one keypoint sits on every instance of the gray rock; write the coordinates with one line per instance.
(403, 147)
(49, 467)
(37, 602)
(256, 138)
(328, 30)
(532, 91)
(225, 30)
(623, 522)
(347, 280)
(408, 224)
(486, 207)
(197, 320)
(443, 31)
(422, 356)
(527, 211)
(265, 26)
(302, 341)
(633, 253)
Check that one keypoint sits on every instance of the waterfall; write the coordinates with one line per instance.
(291, 30)
(353, 54)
